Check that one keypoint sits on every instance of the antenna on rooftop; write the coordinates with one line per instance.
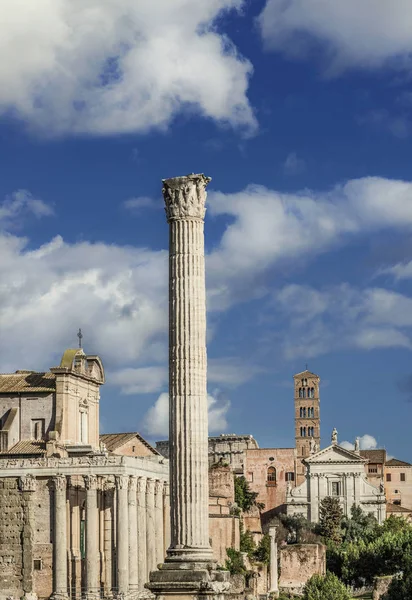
(80, 336)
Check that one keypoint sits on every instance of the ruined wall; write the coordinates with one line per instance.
(11, 531)
(381, 586)
(298, 562)
(224, 530)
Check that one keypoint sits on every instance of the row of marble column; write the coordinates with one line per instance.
(142, 531)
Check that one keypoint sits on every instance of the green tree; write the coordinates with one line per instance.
(325, 588)
(297, 527)
(360, 526)
(262, 552)
(400, 588)
(330, 520)
(234, 562)
(244, 497)
(246, 542)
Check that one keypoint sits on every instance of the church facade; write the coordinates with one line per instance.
(339, 473)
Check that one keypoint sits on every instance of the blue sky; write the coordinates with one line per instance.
(301, 112)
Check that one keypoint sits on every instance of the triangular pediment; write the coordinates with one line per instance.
(334, 453)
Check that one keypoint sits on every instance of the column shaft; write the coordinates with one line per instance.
(60, 538)
(166, 517)
(273, 561)
(150, 527)
(92, 537)
(185, 208)
(108, 537)
(159, 522)
(133, 550)
(141, 532)
(122, 484)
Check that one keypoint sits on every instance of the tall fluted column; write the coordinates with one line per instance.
(133, 572)
(108, 536)
(92, 537)
(150, 526)
(166, 517)
(122, 485)
(159, 521)
(141, 532)
(188, 437)
(60, 538)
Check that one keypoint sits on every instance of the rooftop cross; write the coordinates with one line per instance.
(80, 336)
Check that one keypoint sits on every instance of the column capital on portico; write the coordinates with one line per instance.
(60, 483)
(27, 483)
(133, 483)
(122, 482)
(185, 197)
(90, 482)
(141, 485)
(150, 486)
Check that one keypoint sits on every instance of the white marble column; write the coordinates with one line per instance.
(60, 538)
(166, 516)
(150, 527)
(141, 532)
(358, 483)
(159, 522)
(92, 537)
(108, 536)
(133, 550)
(188, 437)
(122, 485)
(314, 497)
(274, 588)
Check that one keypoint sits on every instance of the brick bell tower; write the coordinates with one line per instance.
(307, 418)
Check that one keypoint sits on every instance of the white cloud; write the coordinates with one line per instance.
(293, 165)
(342, 316)
(230, 372)
(366, 34)
(19, 204)
(269, 228)
(136, 205)
(103, 66)
(366, 442)
(156, 420)
(399, 271)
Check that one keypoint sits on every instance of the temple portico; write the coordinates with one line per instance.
(97, 544)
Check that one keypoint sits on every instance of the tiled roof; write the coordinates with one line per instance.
(26, 447)
(27, 381)
(396, 508)
(113, 441)
(394, 462)
(374, 456)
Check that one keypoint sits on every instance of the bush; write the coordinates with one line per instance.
(246, 542)
(400, 588)
(325, 588)
(262, 552)
(244, 497)
(234, 562)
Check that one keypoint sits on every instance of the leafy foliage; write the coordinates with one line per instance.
(298, 529)
(360, 526)
(325, 588)
(262, 552)
(244, 497)
(331, 519)
(234, 562)
(387, 552)
(246, 542)
(400, 588)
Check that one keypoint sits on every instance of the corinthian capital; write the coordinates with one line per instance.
(27, 483)
(122, 482)
(90, 481)
(185, 197)
(60, 483)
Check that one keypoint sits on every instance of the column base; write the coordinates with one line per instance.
(188, 580)
(54, 596)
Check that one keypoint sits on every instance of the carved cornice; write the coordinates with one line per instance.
(185, 197)
(27, 483)
(60, 483)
